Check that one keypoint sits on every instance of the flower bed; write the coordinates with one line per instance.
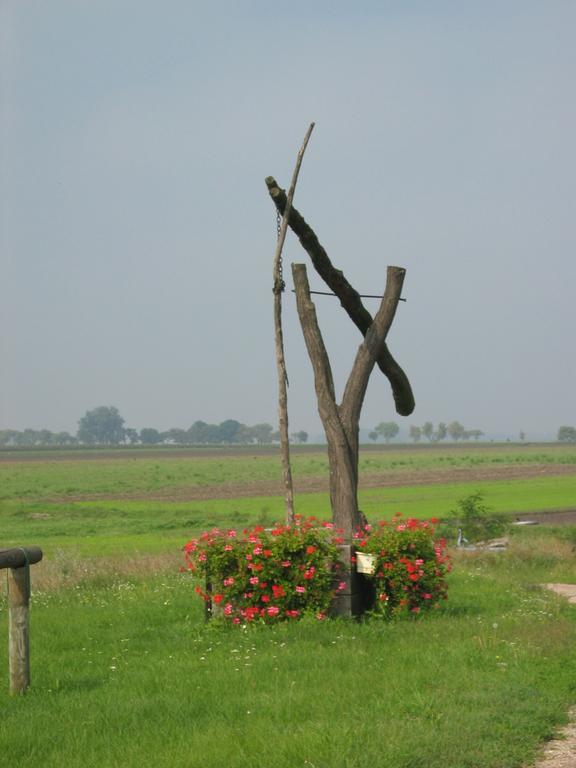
(269, 575)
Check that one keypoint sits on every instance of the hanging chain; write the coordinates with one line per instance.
(279, 287)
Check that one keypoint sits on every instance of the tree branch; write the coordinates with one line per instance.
(370, 349)
(349, 297)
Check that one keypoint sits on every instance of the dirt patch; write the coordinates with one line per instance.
(317, 484)
(561, 751)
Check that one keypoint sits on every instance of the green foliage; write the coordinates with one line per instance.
(410, 566)
(387, 429)
(477, 520)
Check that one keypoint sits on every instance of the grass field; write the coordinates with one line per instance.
(125, 671)
(102, 503)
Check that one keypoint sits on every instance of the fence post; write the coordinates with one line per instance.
(17, 562)
(19, 628)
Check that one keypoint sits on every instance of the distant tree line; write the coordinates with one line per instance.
(105, 426)
(388, 430)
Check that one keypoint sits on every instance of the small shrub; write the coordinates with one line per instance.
(266, 574)
(476, 519)
(410, 567)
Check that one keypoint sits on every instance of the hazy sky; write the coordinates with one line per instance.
(137, 236)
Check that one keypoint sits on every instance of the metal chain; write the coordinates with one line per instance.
(282, 284)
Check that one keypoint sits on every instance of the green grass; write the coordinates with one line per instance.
(118, 525)
(38, 474)
(126, 673)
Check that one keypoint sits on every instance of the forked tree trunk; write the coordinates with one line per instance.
(341, 422)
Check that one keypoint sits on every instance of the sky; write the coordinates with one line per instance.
(137, 236)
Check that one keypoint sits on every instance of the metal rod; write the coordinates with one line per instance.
(362, 295)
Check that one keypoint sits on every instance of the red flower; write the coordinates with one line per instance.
(310, 550)
(218, 599)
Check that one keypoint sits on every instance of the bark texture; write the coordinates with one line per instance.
(341, 421)
(349, 297)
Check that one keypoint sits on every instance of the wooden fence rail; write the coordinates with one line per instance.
(17, 561)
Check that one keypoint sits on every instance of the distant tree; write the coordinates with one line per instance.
(474, 433)
(63, 438)
(428, 430)
(416, 434)
(522, 436)
(229, 431)
(262, 433)
(150, 436)
(388, 430)
(176, 436)
(441, 431)
(201, 433)
(7, 436)
(456, 430)
(567, 434)
(101, 426)
(131, 435)
(373, 435)
(300, 437)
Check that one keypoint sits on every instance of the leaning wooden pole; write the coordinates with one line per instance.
(279, 339)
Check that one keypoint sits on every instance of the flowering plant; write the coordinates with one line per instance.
(285, 572)
(266, 574)
(410, 567)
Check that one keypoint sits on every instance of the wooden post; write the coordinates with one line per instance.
(19, 629)
(279, 341)
(17, 561)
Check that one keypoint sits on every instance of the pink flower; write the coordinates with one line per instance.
(341, 586)
(231, 534)
(301, 590)
(228, 582)
(254, 580)
(273, 610)
(320, 616)
(228, 548)
(257, 550)
(228, 609)
(286, 563)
